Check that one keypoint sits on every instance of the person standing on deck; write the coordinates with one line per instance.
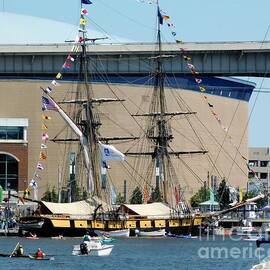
(86, 237)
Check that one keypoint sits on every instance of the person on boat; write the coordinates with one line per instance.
(18, 252)
(39, 254)
(87, 237)
(105, 235)
(83, 248)
(33, 235)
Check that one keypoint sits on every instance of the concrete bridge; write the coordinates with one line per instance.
(226, 59)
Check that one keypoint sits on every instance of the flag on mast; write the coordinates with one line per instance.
(160, 17)
(33, 184)
(87, 2)
(48, 104)
(40, 166)
(109, 152)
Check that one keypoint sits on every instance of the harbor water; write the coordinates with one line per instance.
(138, 253)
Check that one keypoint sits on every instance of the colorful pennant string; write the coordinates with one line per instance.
(193, 71)
(47, 105)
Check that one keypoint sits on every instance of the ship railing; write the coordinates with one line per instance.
(65, 216)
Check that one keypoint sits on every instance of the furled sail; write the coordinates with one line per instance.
(83, 140)
(109, 152)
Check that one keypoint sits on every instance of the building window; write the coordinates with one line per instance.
(8, 172)
(253, 163)
(11, 133)
(263, 176)
(264, 163)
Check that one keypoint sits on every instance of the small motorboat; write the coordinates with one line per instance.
(115, 233)
(151, 233)
(251, 238)
(94, 247)
(31, 237)
(187, 236)
(59, 237)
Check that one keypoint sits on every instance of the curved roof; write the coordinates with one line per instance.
(150, 209)
(79, 208)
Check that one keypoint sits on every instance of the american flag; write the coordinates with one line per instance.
(48, 105)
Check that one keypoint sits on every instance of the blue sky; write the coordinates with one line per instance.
(197, 20)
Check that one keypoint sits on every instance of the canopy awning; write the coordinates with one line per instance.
(79, 208)
(149, 210)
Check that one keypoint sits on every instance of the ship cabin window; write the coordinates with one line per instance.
(11, 133)
(8, 172)
(263, 176)
(264, 163)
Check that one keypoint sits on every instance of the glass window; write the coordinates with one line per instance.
(12, 167)
(2, 168)
(8, 172)
(263, 176)
(253, 163)
(11, 133)
(264, 163)
(2, 135)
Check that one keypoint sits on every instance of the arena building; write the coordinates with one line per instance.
(219, 126)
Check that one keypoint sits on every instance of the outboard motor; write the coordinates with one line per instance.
(83, 249)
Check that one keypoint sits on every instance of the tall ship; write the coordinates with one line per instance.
(152, 154)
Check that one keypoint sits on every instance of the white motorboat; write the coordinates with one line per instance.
(116, 233)
(245, 231)
(150, 233)
(251, 237)
(94, 247)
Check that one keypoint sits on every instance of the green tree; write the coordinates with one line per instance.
(119, 199)
(250, 194)
(156, 195)
(78, 193)
(47, 196)
(137, 196)
(50, 195)
(203, 194)
(223, 194)
(54, 195)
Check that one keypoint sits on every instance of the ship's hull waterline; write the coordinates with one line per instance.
(65, 226)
